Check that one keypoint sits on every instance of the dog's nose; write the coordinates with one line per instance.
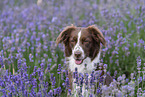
(77, 54)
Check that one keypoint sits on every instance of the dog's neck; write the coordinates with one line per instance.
(87, 66)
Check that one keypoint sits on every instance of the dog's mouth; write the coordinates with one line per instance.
(78, 61)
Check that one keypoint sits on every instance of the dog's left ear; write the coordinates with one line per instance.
(97, 34)
(64, 35)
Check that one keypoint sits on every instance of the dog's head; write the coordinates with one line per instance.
(81, 42)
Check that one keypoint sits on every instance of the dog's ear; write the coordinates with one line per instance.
(64, 35)
(97, 34)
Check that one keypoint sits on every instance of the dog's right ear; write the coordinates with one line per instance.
(97, 34)
(64, 35)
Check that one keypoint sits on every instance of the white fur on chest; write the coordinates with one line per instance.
(82, 68)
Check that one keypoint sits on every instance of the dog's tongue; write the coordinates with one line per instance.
(78, 61)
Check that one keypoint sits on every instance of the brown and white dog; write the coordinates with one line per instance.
(82, 46)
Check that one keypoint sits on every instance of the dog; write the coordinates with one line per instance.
(82, 46)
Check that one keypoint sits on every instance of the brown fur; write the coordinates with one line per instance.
(64, 37)
(90, 40)
(97, 35)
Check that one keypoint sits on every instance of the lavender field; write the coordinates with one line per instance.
(32, 65)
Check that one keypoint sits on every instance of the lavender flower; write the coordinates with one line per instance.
(59, 69)
(50, 93)
(1, 62)
(28, 44)
(67, 83)
(31, 58)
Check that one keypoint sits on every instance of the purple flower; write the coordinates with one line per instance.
(81, 78)
(92, 79)
(12, 89)
(25, 93)
(140, 79)
(53, 82)
(69, 91)
(91, 95)
(50, 93)
(41, 76)
(59, 90)
(10, 95)
(33, 92)
(138, 61)
(2, 84)
(48, 67)
(42, 66)
(76, 77)
(31, 58)
(39, 94)
(34, 71)
(59, 69)
(55, 91)
(119, 94)
(134, 44)
(1, 62)
(138, 64)
(4, 93)
(86, 79)
(67, 83)
(39, 71)
(98, 91)
(19, 63)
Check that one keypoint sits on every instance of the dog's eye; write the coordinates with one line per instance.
(72, 40)
(86, 41)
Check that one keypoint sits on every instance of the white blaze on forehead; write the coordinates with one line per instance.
(79, 36)
(77, 47)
